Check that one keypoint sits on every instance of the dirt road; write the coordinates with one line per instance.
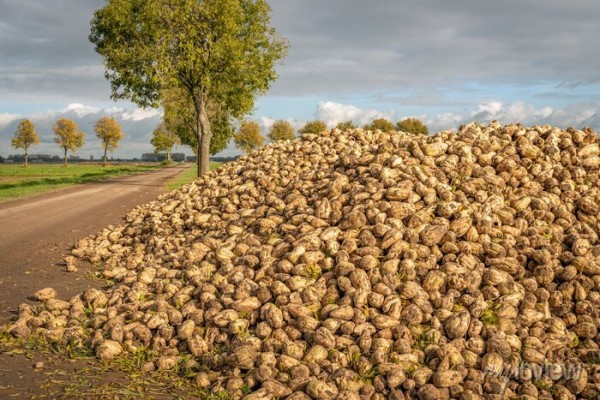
(36, 233)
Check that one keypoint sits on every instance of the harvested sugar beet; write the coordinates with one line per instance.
(364, 265)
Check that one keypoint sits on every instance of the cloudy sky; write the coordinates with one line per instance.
(446, 62)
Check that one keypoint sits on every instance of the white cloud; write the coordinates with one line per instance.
(72, 110)
(576, 115)
(267, 122)
(6, 118)
(493, 107)
(444, 120)
(333, 113)
(140, 114)
(80, 109)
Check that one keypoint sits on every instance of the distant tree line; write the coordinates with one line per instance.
(249, 135)
(162, 157)
(68, 136)
(44, 158)
(410, 125)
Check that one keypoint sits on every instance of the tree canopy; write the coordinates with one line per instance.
(179, 117)
(315, 126)
(221, 53)
(67, 135)
(249, 137)
(382, 124)
(25, 136)
(281, 130)
(412, 125)
(110, 134)
(164, 139)
(345, 125)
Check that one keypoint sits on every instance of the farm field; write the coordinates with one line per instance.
(18, 182)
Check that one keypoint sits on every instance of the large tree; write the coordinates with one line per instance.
(412, 125)
(281, 130)
(249, 138)
(164, 139)
(67, 136)
(110, 134)
(221, 53)
(25, 136)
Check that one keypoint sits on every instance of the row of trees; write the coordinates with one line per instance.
(249, 136)
(411, 125)
(68, 136)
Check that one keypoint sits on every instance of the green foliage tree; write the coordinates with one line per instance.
(109, 132)
(281, 130)
(345, 125)
(316, 126)
(219, 52)
(412, 125)
(248, 137)
(164, 139)
(25, 136)
(382, 124)
(67, 136)
(179, 117)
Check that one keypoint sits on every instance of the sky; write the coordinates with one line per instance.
(445, 62)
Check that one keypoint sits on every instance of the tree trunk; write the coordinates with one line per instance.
(26, 157)
(169, 155)
(65, 156)
(205, 152)
(198, 132)
(206, 137)
(203, 135)
(104, 158)
(198, 157)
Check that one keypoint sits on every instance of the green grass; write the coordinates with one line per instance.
(17, 181)
(187, 176)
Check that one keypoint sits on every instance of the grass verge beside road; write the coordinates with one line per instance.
(188, 176)
(16, 181)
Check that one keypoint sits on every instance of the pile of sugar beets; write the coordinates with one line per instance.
(362, 265)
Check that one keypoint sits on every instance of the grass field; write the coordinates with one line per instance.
(187, 176)
(16, 181)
